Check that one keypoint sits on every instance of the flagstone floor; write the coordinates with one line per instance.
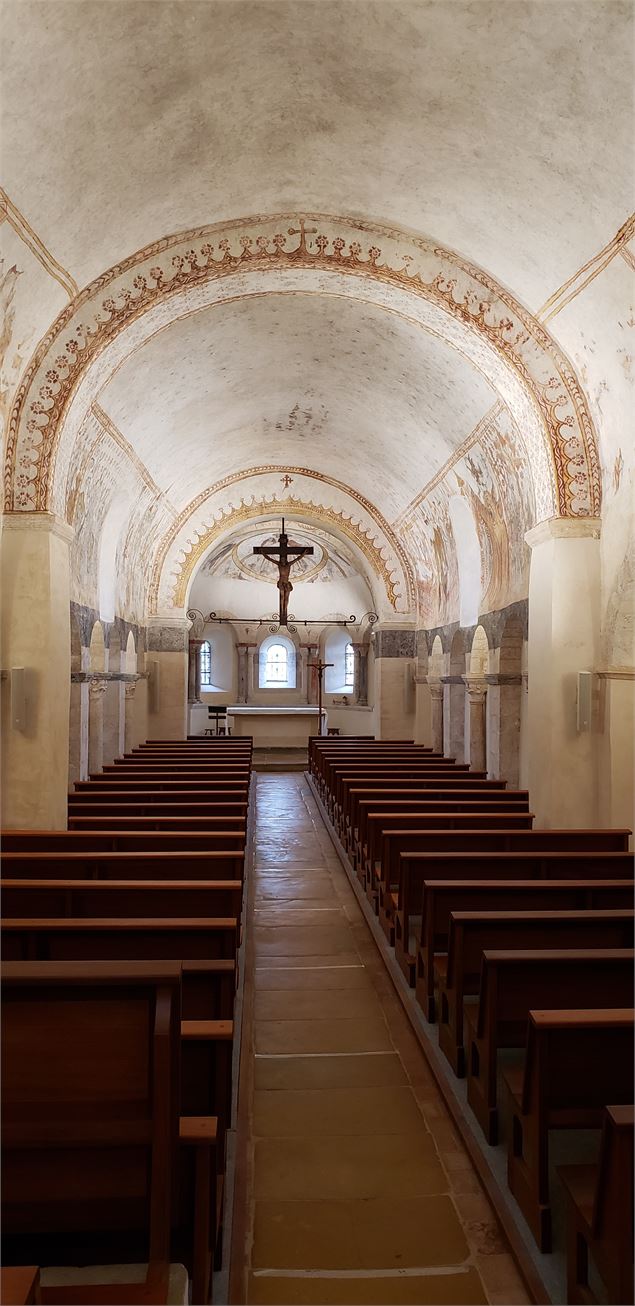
(359, 1187)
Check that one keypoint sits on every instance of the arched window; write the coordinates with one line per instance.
(349, 666)
(205, 655)
(276, 663)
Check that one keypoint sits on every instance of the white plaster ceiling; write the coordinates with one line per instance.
(502, 129)
(311, 380)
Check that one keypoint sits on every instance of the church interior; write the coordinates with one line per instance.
(317, 651)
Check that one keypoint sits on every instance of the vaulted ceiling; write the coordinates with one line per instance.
(490, 130)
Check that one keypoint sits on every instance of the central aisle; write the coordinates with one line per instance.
(358, 1186)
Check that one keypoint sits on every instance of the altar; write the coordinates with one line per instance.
(274, 727)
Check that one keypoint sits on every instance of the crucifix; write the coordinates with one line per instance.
(320, 667)
(284, 557)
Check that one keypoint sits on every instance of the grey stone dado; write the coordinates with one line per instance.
(493, 624)
(168, 639)
(395, 643)
(84, 618)
(85, 677)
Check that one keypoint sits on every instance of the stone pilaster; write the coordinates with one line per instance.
(96, 690)
(476, 688)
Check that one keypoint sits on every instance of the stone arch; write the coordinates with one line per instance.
(437, 655)
(403, 273)
(468, 557)
(454, 715)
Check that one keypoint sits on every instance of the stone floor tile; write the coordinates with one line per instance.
(456, 1289)
(328, 1072)
(297, 941)
(316, 1004)
(333, 1111)
(301, 1036)
(304, 1236)
(270, 979)
(352, 1166)
(397, 1232)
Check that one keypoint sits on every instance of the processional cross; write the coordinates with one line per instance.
(284, 557)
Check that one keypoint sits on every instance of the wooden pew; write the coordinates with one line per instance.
(90, 1070)
(600, 1215)
(401, 774)
(417, 867)
(375, 823)
(126, 939)
(219, 838)
(209, 865)
(515, 982)
(362, 809)
(20, 1285)
(410, 801)
(575, 1063)
(120, 898)
(170, 782)
(398, 843)
(442, 897)
(173, 815)
(433, 785)
(457, 976)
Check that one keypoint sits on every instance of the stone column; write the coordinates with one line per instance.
(167, 663)
(436, 715)
(394, 651)
(360, 683)
(129, 716)
(476, 688)
(194, 671)
(35, 635)
(96, 692)
(564, 611)
(243, 673)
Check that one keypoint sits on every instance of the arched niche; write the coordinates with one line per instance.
(436, 662)
(129, 663)
(97, 648)
(479, 653)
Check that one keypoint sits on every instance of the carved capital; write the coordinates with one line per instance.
(476, 687)
(129, 689)
(436, 690)
(97, 686)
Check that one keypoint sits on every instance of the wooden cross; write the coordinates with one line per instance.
(284, 558)
(320, 667)
(302, 231)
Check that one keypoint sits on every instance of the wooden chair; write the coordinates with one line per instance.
(575, 1063)
(600, 1215)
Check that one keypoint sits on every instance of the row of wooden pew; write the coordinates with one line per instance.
(120, 940)
(512, 938)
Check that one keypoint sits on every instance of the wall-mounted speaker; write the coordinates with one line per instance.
(584, 700)
(18, 698)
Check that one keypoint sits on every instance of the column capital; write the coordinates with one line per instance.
(476, 687)
(130, 688)
(436, 690)
(97, 686)
(563, 528)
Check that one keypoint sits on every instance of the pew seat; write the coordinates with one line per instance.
(150, 865)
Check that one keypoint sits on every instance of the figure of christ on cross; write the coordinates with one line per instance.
(284, 558)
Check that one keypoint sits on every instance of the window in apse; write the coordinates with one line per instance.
(349, 667)
(277, 665)
(205, 655)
